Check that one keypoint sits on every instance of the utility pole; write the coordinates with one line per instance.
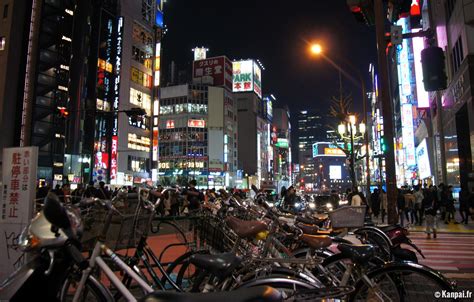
(383, 86)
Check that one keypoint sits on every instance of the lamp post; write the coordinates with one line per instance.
(348, 132)
(317, 49)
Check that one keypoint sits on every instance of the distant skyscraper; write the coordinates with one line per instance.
(312, 128)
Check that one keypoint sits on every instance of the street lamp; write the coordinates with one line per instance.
(317, 50)
(350, 132)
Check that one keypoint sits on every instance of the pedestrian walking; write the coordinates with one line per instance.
(447, 195)
(409, 207)
(383, 205)
(401, 207)
(464, 197)
(430, 206)
(375, 203)
(419, 196)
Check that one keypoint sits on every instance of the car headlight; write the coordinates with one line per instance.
(312, 205)
(329, 205)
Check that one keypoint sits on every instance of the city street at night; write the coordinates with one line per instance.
(172, 150)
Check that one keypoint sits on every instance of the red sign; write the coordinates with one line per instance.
(113, 163)
(218, 68)
(170, 124)
(196, 123)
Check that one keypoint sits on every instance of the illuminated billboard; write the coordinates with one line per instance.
(422, 96)
(257, 79)
(242, 76)
(335, 172)
(407, 95)
(423, 160)
(219, 69)
(408, 135)
(196, 123)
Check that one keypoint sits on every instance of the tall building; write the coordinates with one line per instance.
(134, 144)
(56, 46)
(198, 136)
(254, 126)
(281, 164)
(312, 128)
(455, 35)
(82, 66)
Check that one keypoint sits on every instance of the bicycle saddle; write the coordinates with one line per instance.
(317, 242)
(220, 265)
(358, 253)
(245, 229)
(313, 221)
(308, 229)
(252, 294)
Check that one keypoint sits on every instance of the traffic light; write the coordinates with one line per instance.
(397, 9)
(62, 112)
(434, 72)
(383, 145)
(362, 10)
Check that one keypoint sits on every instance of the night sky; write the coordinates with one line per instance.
(278, 34)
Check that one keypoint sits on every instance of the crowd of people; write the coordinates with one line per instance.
(418, 205)
(415, 205)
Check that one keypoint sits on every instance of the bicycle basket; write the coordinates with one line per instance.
(125, 228)
(348, 217)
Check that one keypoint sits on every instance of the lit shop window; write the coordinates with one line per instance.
(142, 57)
(140, 99)
(2, 43)
(137, 142)
(140, 77)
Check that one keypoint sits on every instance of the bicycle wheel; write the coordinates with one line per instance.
(92, 291)
(401, 282)
(170, 240)
(182, 271)
(336, 267)
(289, 287)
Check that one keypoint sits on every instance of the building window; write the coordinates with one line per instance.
(2, 43)
(449, 7)
(140, 77)
(140, 99)
(142, 57)
(5, 11)
(457, 55)
(147, 10)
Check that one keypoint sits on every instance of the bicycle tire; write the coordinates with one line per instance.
(180, 236)
(381, 242)
(287, 286)
(99, 291)
(181, 264)
(336, 266)
(410, 282)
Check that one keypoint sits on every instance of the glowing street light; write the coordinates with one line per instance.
(316, 49)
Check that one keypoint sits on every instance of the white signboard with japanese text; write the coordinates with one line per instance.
(243, 76)
(17, 203)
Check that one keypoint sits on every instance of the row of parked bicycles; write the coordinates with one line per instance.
(232, 249)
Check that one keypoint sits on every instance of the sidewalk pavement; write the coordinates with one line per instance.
(442, 227)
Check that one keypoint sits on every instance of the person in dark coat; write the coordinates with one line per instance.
(375, 203)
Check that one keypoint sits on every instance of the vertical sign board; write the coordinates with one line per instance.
(118, 64)
(407, 100)
(422, 95)
(257, 79)
(17, 204)
(408, 134)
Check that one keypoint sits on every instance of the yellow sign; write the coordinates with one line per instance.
(333, 151)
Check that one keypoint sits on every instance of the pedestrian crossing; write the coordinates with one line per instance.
(448, 253)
